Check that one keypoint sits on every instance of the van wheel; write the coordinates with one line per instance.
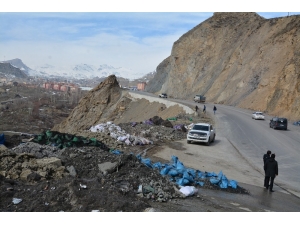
(189, 142)
(208, 143)
(213, 140)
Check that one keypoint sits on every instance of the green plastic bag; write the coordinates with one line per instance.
(49, 134)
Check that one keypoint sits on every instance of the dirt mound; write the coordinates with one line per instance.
(93, 108)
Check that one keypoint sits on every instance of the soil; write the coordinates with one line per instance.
(90, 189)
(42, 176)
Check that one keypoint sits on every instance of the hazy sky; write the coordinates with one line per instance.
(133, 34)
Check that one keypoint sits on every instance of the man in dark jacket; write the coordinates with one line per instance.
(266, 157)
(271, 168)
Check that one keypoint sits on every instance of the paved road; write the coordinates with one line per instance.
(252, 138)
(239, 148)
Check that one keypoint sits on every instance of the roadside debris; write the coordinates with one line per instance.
(188, 190)
(16, 200)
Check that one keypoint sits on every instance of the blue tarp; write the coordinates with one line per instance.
(185, 176)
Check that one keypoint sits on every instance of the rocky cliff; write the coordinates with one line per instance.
(238, 59)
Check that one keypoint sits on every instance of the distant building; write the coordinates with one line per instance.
(61, 87)
(141, 86)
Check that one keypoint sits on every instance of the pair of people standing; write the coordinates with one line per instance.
(271, 170)
(204, 109)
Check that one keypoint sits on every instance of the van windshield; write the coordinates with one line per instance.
(201, 127)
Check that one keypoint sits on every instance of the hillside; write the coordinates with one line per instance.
(8, 69)
(238, 59)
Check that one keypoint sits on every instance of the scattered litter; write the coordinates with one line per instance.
(17, 200)
(119, 134)
(116, 152)
(83, 186)
(140, 190)
(95, 210)
(46, 203)
(52, 188)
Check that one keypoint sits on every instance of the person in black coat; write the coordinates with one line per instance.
(266, 157)
(271, 168)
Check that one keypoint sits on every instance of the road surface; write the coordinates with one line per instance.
(238, 150)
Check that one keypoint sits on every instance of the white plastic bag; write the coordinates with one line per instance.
(188, 190)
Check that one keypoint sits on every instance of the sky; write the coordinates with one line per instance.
(137, 35)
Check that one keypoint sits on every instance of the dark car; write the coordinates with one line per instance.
(278, 123)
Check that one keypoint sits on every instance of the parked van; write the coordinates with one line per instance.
(278, 123)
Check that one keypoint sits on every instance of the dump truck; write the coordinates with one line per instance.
(199, 98)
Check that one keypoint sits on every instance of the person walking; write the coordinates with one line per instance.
(271, 168)
(204, 109)
(215, 109)
(266, 157)
(196, 108)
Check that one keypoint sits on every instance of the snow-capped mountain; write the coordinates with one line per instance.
(78, 71)
(19, 64)
(86, 71)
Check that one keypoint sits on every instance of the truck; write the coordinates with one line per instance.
(201, 132)
(199, 98)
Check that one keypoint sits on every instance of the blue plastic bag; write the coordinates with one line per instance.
(116, 152)
(200, 183)
(233, 184)
(214, 180)
(173, 173)
(224, 182)
(208, 174)
(147, 162)
(188, 177)
(182, 182)
(157, 165)
(165, 170)
(220, 175)
(192, 172)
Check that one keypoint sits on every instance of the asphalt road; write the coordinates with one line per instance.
(252, 138)
(238, 150)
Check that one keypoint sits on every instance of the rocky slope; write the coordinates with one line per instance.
(109, 102)
(238, 59)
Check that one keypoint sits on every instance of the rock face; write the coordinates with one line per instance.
(238, 59)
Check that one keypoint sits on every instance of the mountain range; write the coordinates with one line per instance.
(79, 71)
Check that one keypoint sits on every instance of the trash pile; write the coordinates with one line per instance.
(61, 140)
(183, 176)
(142, 133)
(119, 134)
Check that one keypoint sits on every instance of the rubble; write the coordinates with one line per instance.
(73, 169)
